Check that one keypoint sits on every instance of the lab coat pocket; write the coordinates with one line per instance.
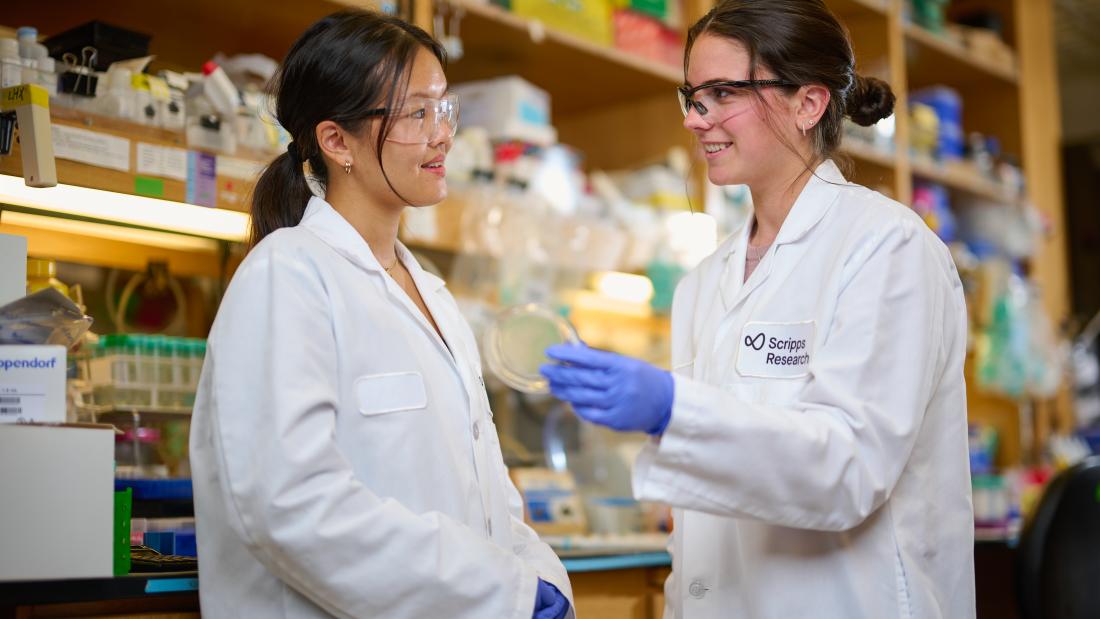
(378, 394)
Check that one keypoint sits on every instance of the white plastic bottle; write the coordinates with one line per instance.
(220, 91)
(28, 38)
(11, 66)
(118, 101)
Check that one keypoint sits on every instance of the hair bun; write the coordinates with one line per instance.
(869, 101)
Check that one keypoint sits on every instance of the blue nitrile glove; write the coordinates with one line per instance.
(549, 602)
(619, 392)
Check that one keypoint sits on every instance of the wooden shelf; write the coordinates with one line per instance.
(186, 34)
(865, 153)
(962, 178)
(580, 75)
(933, 59)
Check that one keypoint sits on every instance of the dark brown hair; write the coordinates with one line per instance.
(340, 68)
(801, 42)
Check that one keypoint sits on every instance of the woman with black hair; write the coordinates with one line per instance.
(344, 457)
(812, 437)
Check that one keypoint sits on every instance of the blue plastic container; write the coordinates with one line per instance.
(948, 105)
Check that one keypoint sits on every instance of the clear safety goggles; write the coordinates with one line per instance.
(419, 119)
(718, 101)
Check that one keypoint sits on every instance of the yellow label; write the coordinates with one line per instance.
(140, 81)
(159, 88)
(24, 94)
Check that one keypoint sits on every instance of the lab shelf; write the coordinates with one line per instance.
(579, 75)
(935, 59)
(865, 153)
(962, 178)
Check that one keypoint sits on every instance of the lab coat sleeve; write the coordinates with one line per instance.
(833, 457)
(292, 495)
(536, 552)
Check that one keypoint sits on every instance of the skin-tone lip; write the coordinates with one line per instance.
(441, 170)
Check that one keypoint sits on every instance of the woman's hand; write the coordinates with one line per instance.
(619, 392)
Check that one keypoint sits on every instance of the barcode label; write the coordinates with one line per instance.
(22, 402)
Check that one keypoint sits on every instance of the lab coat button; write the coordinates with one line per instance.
(477, 431)
(697, 590)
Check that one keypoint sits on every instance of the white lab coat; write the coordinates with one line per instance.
(344, 457)
(844, 492)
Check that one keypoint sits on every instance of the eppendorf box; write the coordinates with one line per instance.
(32, 384)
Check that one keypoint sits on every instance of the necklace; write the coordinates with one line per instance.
(390, 268)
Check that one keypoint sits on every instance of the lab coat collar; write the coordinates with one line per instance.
(815, 200)
(331, 227)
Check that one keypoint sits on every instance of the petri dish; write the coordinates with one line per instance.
(515, 342)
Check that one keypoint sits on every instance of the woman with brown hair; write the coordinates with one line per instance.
(812, 437)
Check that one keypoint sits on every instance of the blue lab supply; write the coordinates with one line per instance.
(549, 602)
(983, 449)
(163, 542)
(185, 544)
(1092, 437)
(604, 388)
(933, 203)
(948, 105)
(157, 489)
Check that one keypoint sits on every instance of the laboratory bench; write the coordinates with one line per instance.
(615, 586)
(621, 586)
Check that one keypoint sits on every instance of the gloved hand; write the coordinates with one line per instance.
(619, 392)
(549, 602)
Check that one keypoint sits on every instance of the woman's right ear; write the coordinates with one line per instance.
(331, 138)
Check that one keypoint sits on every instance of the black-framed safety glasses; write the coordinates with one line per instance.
(713, 90)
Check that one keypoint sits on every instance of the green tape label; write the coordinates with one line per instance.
(152, 187)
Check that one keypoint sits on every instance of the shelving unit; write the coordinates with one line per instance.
(936, 59)
(963, 179)
(619, 110)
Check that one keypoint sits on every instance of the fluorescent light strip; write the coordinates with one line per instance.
(153, 238)
(125, 209)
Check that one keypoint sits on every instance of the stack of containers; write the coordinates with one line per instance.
(149, 372)
(948, 106)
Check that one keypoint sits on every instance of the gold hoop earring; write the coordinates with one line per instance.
(347, 167)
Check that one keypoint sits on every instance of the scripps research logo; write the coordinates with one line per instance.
(755, 342)
(28, 364)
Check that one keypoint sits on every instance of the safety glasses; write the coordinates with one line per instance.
(722, 99)
(419, 119)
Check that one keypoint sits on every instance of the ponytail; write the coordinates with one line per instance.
(280, 197)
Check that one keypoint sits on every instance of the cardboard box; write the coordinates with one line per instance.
(509, 108)
(57, 492)
(32, 384)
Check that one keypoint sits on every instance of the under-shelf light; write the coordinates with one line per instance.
(164, 240)
(121, 209)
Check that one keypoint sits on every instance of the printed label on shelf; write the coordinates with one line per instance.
(202, 185)
(90, 147)
(162, 161)
(241, 169)
(151, 187)
(21, 402)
